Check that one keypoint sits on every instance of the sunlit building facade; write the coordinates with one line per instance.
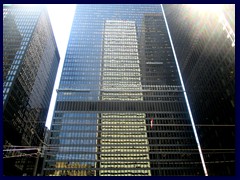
(30, 62)
(120, 109)
(205, 48)
(122, 134)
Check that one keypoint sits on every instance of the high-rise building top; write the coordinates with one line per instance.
(120, 108)
(30, 59)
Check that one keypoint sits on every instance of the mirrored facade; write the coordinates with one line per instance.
(207, 63)
(120, 109)
(30, 62)
(122, 134)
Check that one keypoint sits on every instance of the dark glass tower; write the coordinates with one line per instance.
(205, 48)
(120, 109)
(30, 62)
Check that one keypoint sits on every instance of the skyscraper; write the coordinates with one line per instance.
(30, 62)
(121, 108)
(205, 48)
(119, 51)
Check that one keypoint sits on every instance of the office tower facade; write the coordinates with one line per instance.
(30, 62)
(122, 134)
(205, 48)
(120, 108)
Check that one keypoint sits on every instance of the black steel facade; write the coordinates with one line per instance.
(30, 62)
(120, 108)
(205, 48)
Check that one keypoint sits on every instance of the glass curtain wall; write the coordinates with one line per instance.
(120, 108)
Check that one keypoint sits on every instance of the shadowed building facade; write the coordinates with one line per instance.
(120, 108)
(30, 62)
(205, 46)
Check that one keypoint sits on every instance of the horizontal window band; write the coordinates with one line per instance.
(120, 106)
(159, 161)
(118, 90)
(116, 169)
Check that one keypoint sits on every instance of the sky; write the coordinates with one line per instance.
(61, 16)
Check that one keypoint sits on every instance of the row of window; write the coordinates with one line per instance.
(121, 106)
(111, 96)
(163, 118)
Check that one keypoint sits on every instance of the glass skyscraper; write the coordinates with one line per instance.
(120, 108)
(30, 62)
(207, 63)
